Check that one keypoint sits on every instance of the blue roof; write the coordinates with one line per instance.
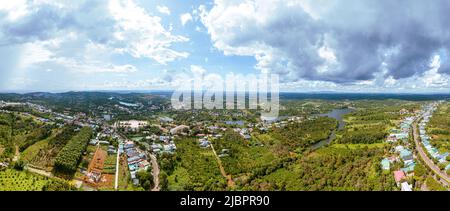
(408, 169)
(447, 167)
(405, 153)
(385, 163)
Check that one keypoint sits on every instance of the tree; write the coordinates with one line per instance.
(163, 181)
(145, 179)
(19, 165)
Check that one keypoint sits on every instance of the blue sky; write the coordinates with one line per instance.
(314, 45)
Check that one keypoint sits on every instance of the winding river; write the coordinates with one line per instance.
(338, 115)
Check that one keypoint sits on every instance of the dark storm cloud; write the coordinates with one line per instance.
(40, 25)
(366, 37)
(48, 20)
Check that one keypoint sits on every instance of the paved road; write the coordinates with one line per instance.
(116, 183)
(425, 158)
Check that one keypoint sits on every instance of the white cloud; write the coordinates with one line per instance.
(142, 35)
(93, 67)
(432, 78)
(163, 9)
(198, 70)
(14, 9)
(185, 18)
(34, 53)
(335, 41)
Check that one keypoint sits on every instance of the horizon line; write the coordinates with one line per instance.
(24, 92)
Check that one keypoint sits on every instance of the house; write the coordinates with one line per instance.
(129, 145)
(447, 167)
(385, 164)
(406, 187)
(399, 148)
(204, 143)
(165, 119)
(443, 157)
(107, 117)
(111, 150)
(104, 142)
(393, 159)
(178, 129)
(408, 169)
(399, 176)
(406, 155)
(164, 138)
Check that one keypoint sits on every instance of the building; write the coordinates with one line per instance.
(165, 119)
(406, 187)
(399, 176)
(385, 164)
(406, 155)
(178, 129)
(447, 167)
(107, 117)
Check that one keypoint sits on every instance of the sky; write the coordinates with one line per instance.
(314, 45)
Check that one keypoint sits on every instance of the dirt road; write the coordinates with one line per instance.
(155, 172)
(230, 181)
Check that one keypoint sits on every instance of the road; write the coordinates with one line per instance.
(425, 158)
(155, 172)
(16, 154)
(230, 181)
(38, 171)
(116, 183)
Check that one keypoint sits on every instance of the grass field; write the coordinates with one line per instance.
(33, 150)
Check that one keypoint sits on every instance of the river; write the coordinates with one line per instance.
(338, 115)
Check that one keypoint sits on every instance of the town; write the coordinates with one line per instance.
(157, 152)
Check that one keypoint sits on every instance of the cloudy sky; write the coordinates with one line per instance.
(314, 45)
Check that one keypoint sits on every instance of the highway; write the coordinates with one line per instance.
(426, 159)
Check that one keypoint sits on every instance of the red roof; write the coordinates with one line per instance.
(399, 175)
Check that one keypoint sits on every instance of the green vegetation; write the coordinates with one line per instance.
(67, 160)
(439, 128)
(145, 179)
(329, 169)
(278, 156)
(110, 165)
(372, 121)
(299, 136)
(433, 185)
(13, 180)
(48, 149)
(191, 168)
(241, 155)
